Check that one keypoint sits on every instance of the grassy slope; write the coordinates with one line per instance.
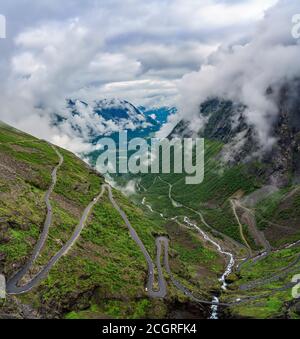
(104, 274)
(278, 216)
(212, 198)
(279, 301)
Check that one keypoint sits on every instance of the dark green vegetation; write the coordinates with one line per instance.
(210, 197)
(104, 273)
(270, 223)
(278, 215)
(276, 299)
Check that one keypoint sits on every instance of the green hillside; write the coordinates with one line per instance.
(211, 196)
(104, 273)
(275, 224)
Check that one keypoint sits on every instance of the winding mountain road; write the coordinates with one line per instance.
(212, 229)
(161, 293)
(162, 248)
(13, 283)
(215, 303)
(233, 205)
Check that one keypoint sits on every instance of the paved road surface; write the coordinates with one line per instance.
(161, 242)
(162, 291)
(13, 284)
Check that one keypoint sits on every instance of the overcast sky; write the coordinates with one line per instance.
(152, 53)
(133, 49)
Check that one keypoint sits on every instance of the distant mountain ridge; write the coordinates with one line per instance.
(104, 269)
(160, 114)
(102, 118)
(91, 121)
(226, 123)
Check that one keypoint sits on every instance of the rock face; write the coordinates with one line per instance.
(282, 162)
(226, 122)
(285, 156)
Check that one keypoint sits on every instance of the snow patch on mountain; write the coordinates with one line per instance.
(100, 118)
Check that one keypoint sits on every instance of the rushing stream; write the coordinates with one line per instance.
(215, 307)
(231, 261)
(148, 206)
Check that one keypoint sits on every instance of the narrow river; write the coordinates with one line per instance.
(229, 268)
(231, 260)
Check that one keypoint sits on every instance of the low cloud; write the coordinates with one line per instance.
(168, 127)
(128, 189)
(243, 73)
(133, 50)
